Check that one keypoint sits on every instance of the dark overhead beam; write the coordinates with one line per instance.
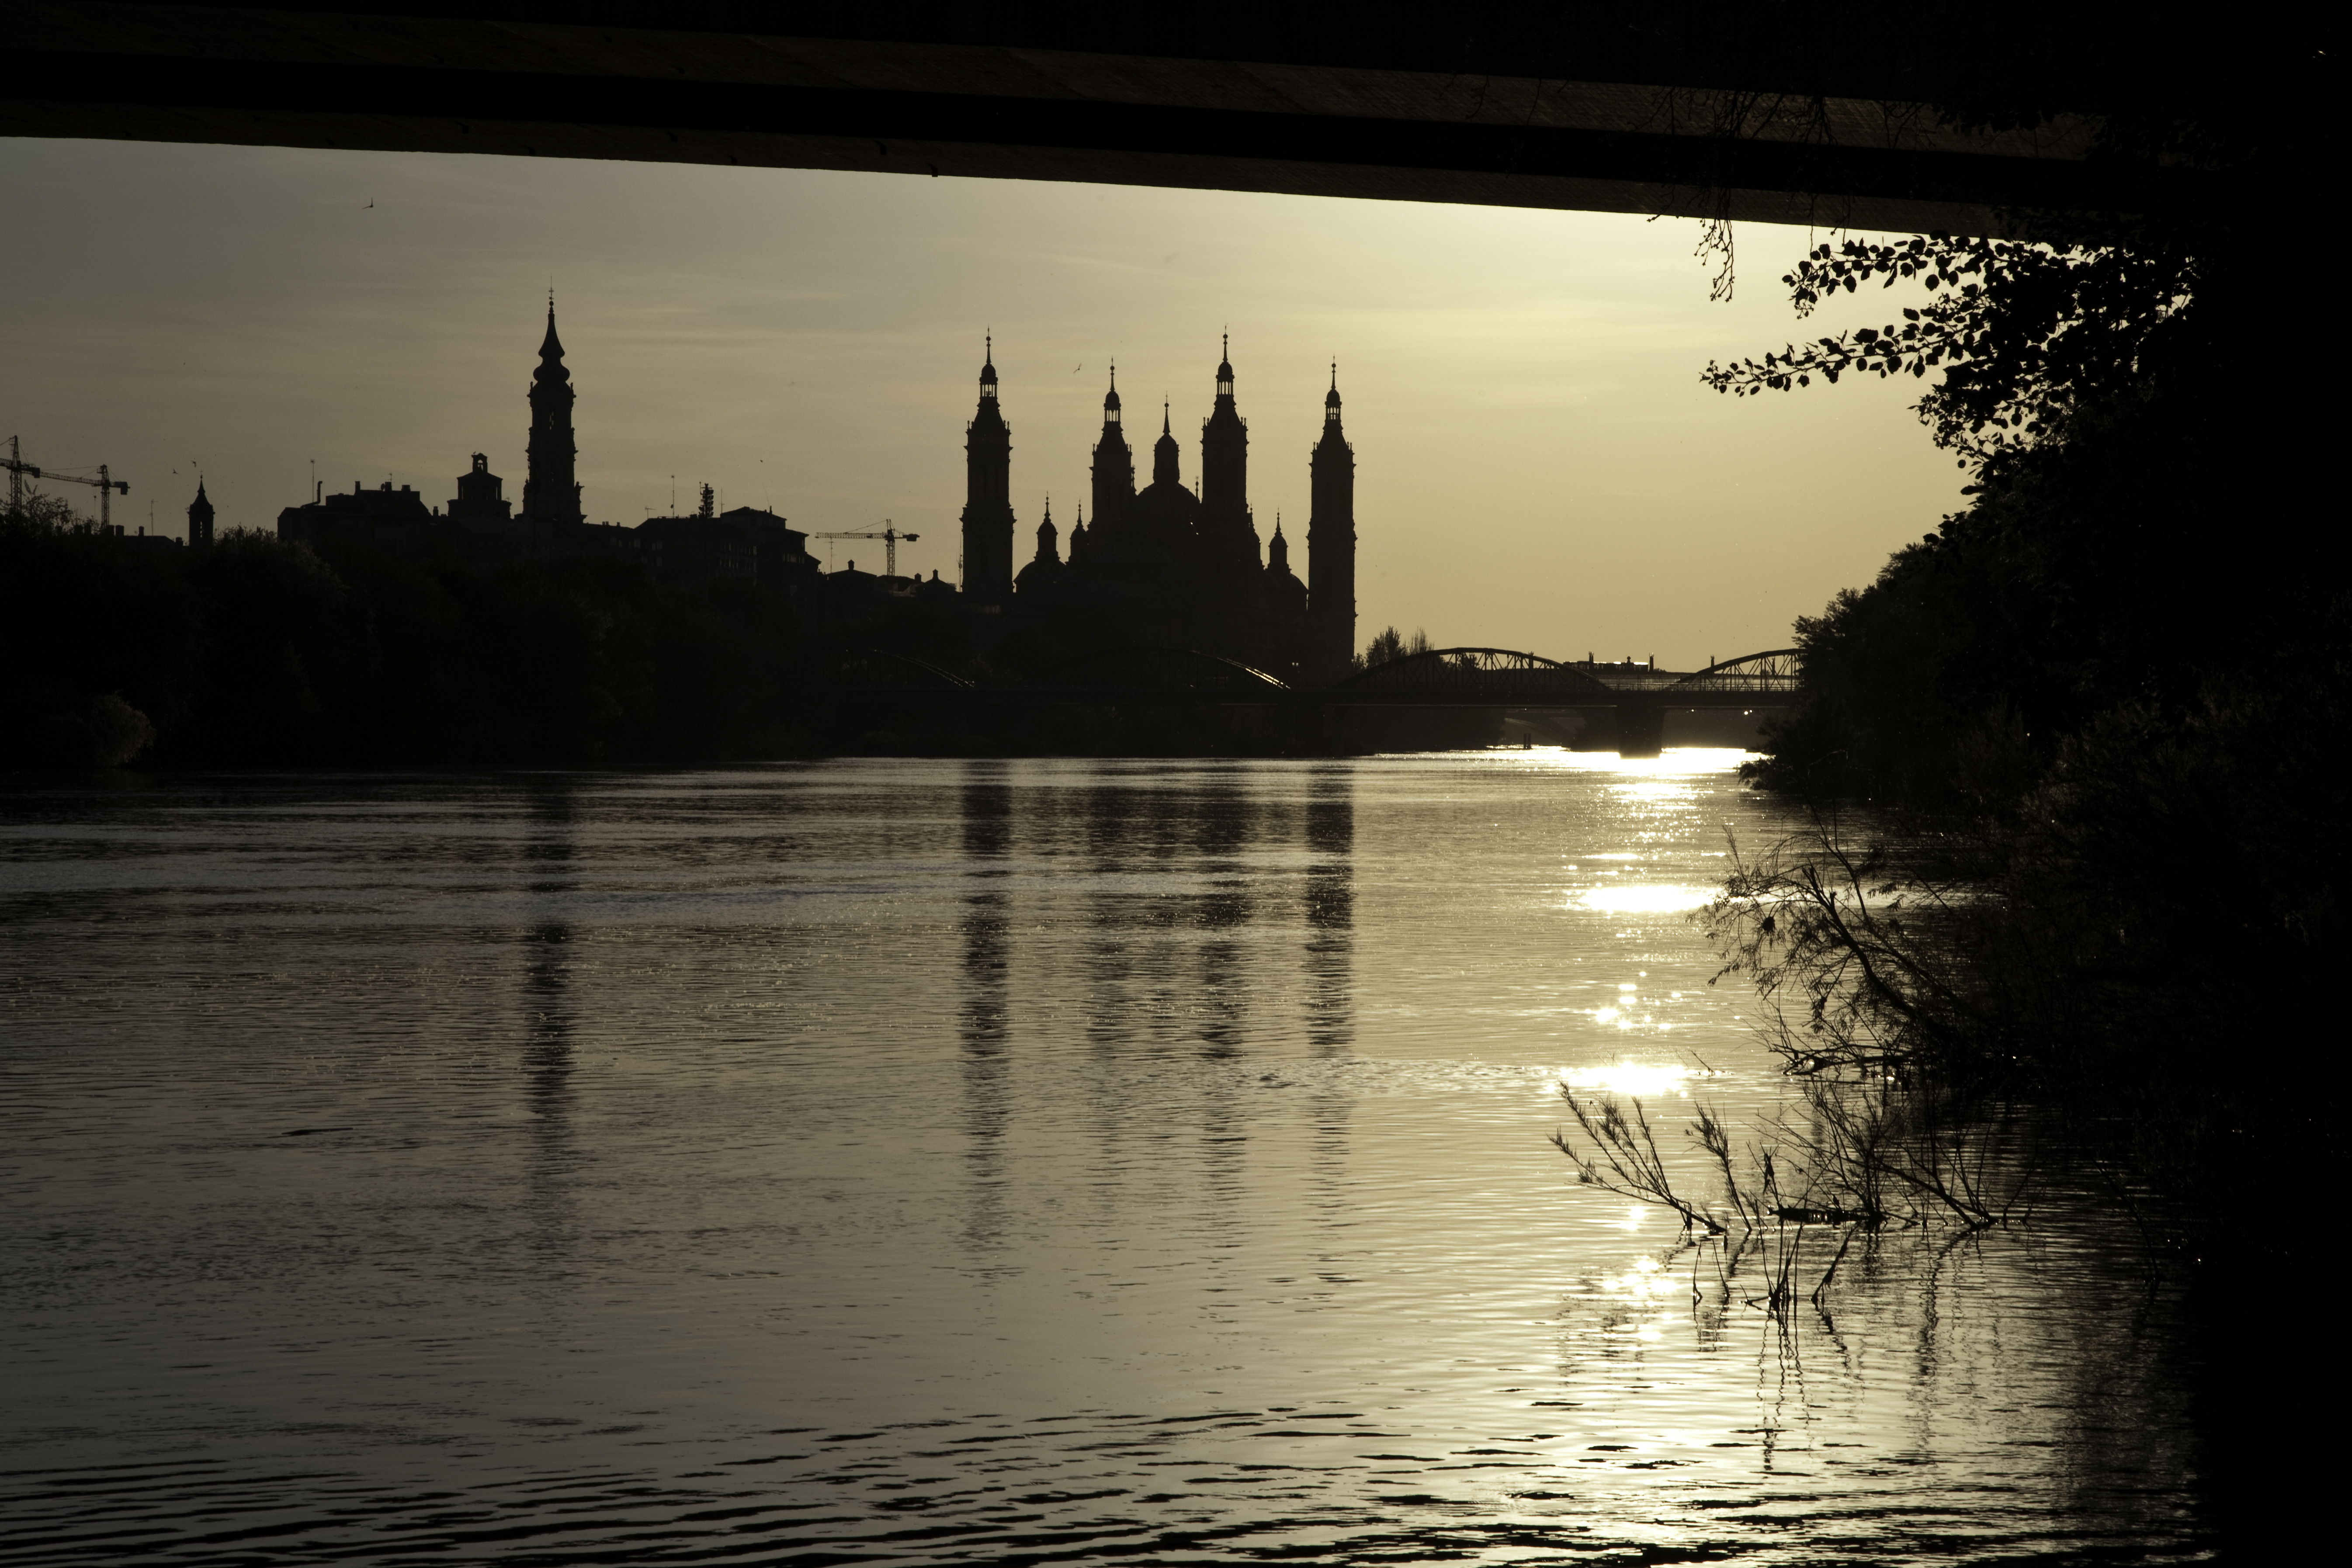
(1365, 101)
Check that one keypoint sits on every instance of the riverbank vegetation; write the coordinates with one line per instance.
(2088, 723)
(256, 653)
(2078, 862)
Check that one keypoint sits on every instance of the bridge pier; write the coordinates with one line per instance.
(1641, 729)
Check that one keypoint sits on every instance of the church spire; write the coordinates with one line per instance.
(988, 493)
(1166, 465)
(1114, 465)
(1048, 536)
(1332, 547)
(1229, 540)
(200, 518)
(550, 493)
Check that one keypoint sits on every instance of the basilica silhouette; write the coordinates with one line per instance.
(1166, 564)
(1162, 566)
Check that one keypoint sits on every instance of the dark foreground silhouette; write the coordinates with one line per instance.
(259, 653)
(2077, 752)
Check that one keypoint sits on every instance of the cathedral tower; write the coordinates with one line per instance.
(988, 495)
(1114, 471)
(1331, 549)
(200, 520)
(550, 494)
(1229, 545)
(1167, 457)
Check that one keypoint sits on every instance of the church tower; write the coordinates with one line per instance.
(200, 518)
(1167, 457)
(988, 495)
(1331, 549)
(1045, 570)
(550, 494)
(1229, 545)
(1114, 472)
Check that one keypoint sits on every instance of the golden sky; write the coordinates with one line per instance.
(1537, 465)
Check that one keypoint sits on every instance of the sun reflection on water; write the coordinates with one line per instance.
(1631, 1078)
(1619, 899)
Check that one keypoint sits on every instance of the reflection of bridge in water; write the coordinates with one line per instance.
(1634, 698)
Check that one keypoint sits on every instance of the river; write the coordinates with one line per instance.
(935, 1161)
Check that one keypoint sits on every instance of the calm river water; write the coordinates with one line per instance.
(927, 1161)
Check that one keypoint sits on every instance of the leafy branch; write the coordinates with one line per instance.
(2027, 336)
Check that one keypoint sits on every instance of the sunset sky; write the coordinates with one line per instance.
(1539, 466)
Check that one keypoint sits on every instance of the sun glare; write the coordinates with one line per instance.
(1617, 899)
(1630, 1078)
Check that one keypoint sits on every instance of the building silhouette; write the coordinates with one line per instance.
(1168, 565)
(479, 525)
(988, 498)
(397, 521)
(481, 495)
(200, 518)
(1045, 570)
(551, 495)
(1331, 548)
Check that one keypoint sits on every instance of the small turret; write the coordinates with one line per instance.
(1165, 454)
(200, 518)
(1048, 536)
(1045, 570)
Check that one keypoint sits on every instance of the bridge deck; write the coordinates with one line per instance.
(1657, 107)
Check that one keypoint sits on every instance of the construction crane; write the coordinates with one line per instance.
(19, 470)
(889, 535)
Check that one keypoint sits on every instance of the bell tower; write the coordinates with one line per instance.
(200, 518)
(1114, 472)
(1331, 548)
(988, 495)
(550, 493)
(1228, 538)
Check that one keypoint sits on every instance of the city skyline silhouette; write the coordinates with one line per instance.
(1540, 462)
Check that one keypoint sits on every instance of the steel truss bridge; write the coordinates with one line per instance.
(1636, 697)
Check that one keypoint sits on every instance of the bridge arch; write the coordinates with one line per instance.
(1775, 671)
(1511, 677)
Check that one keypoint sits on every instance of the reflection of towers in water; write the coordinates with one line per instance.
(984, 925)
(1166, 975)
(1224, 824)
(550, 879)
(1329, 979)
(1330, 910)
